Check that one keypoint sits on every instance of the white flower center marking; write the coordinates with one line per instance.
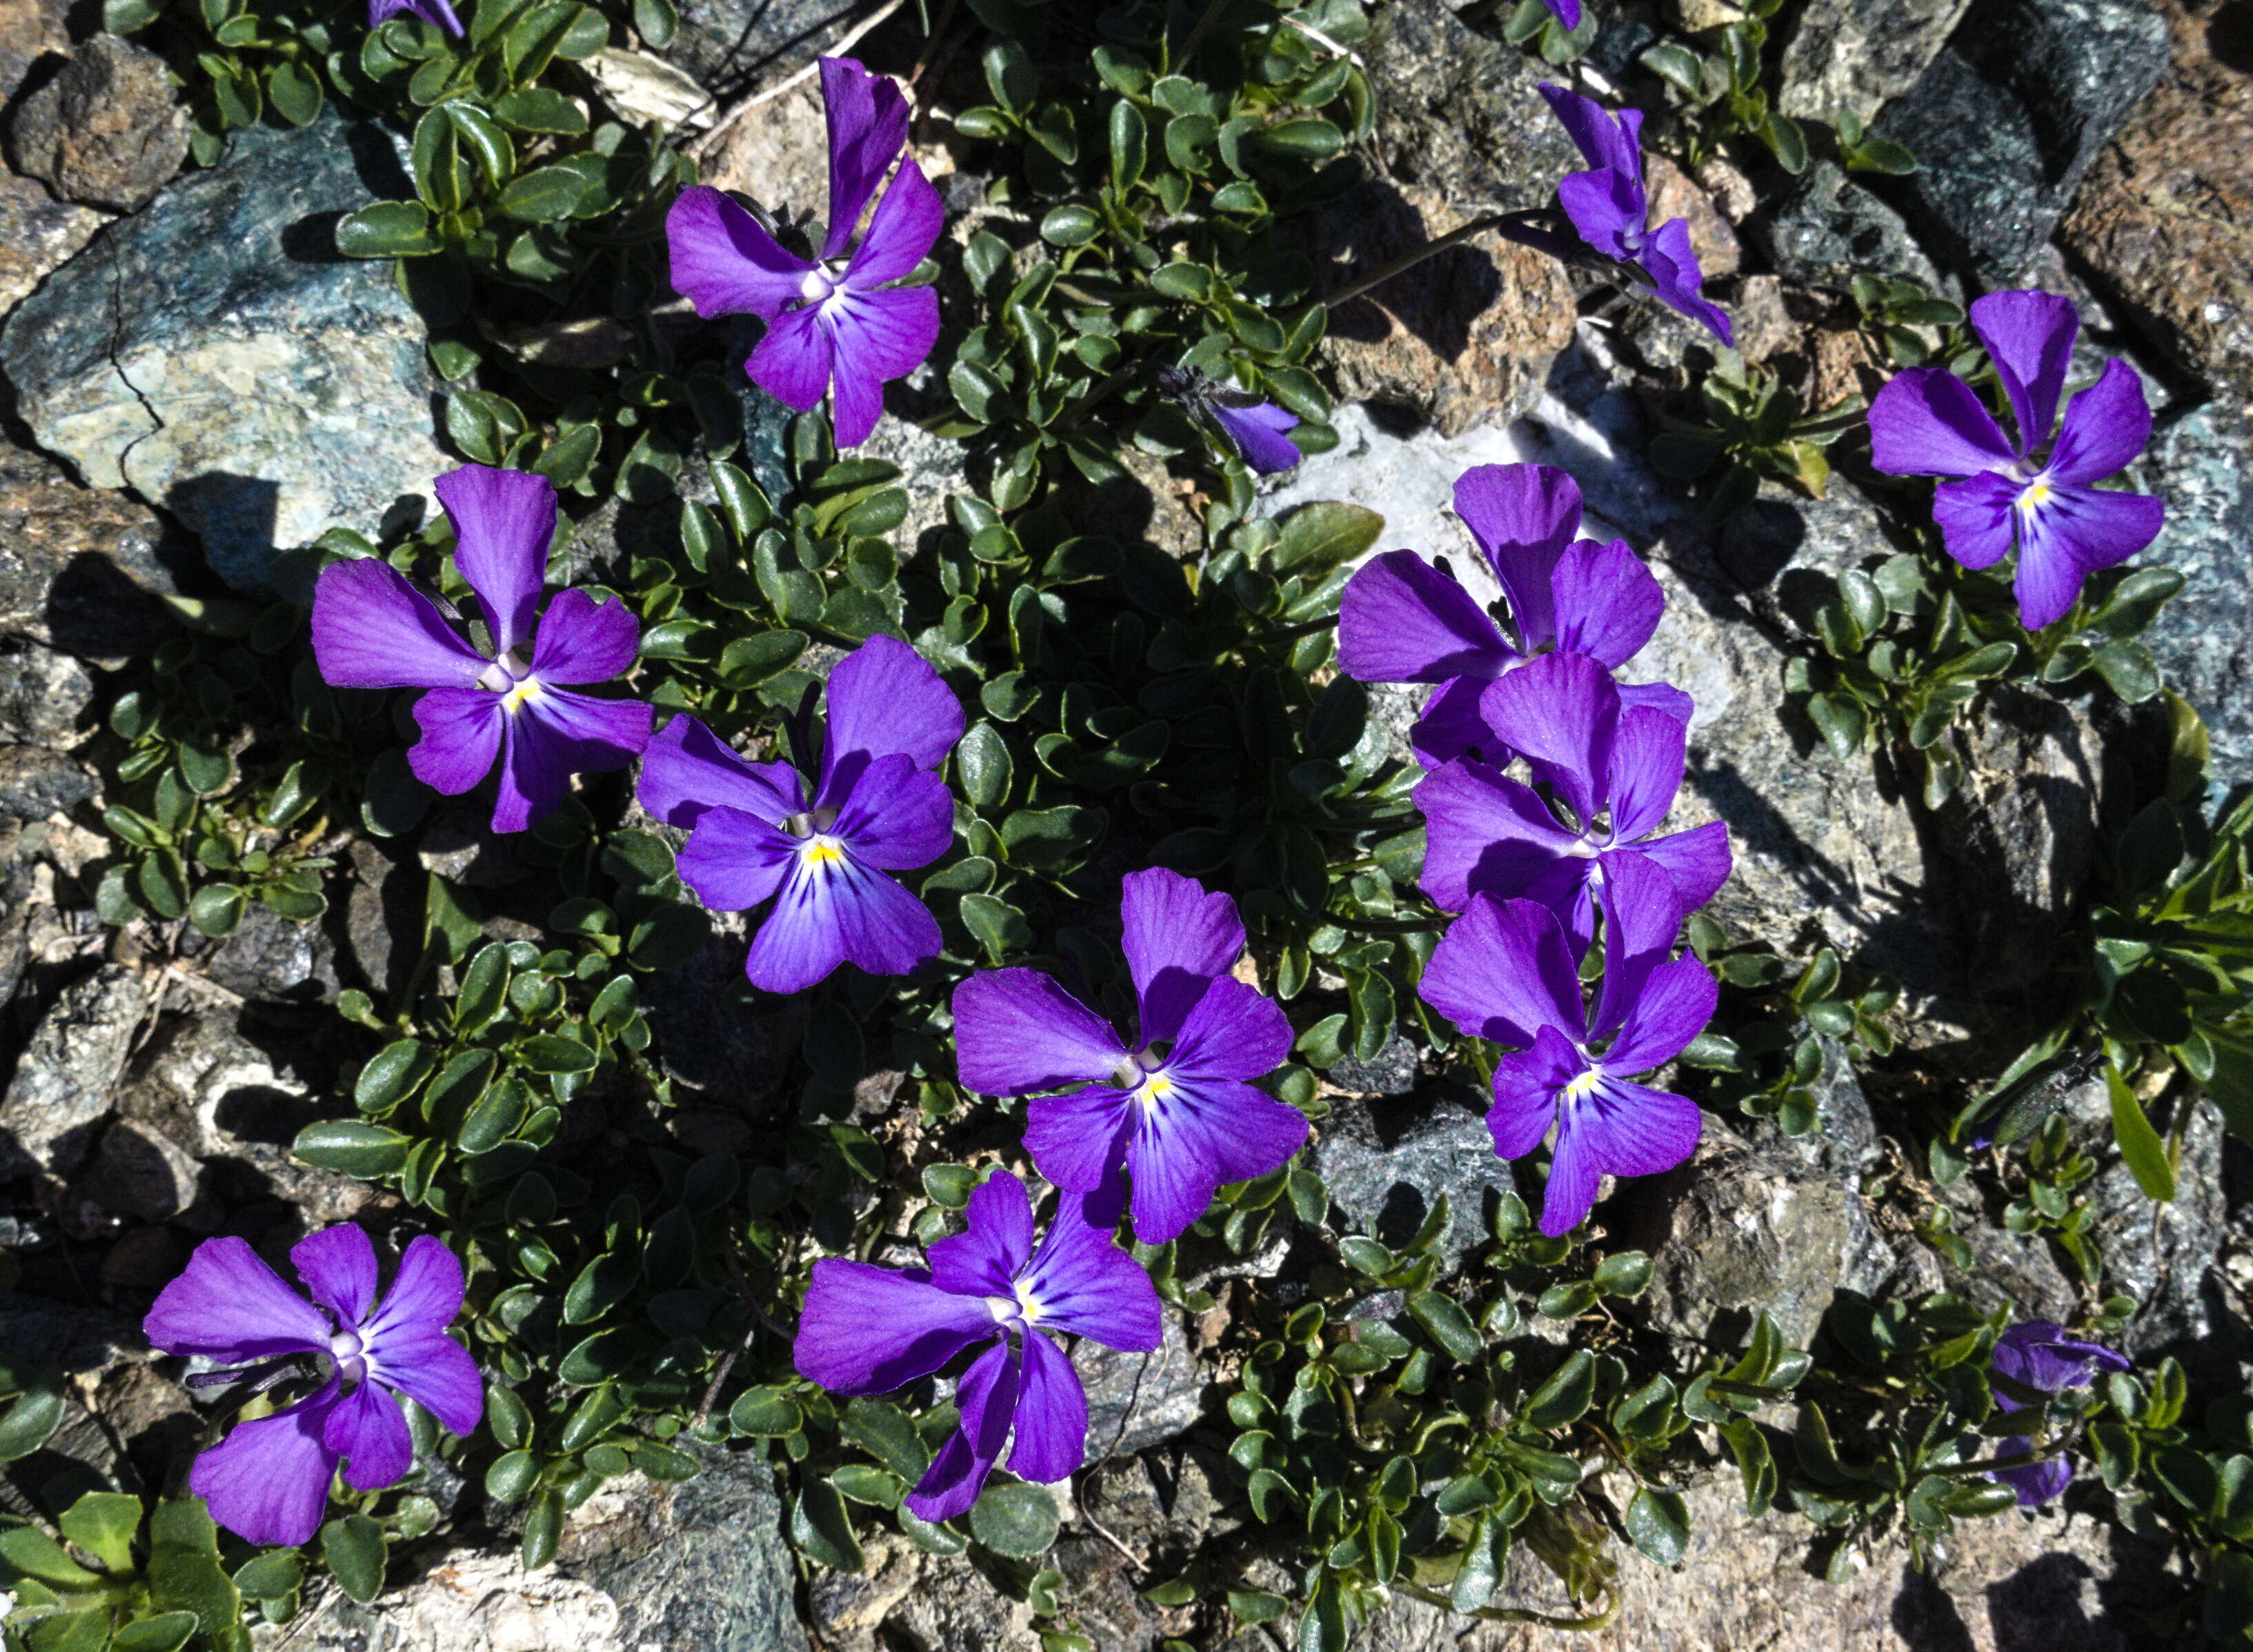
(820, 850)
(348, 1351)
(2034, 495)
(1582, 1086)
(1155, 1091)
(816, 286)
(524, 691)
(1027, 1304)
(1003, 1308)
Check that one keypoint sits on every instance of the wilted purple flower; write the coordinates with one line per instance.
(868, 1330)
(1610, 208)
(1615, 767)
(1503, 972)
(876, 807)
(1929, 422)
(372, 630)
(2041, 1355)
(831, 325)
(1255, 430)
(268, 1481)
(1403, 621)
(1170, 1106)
(438, 12)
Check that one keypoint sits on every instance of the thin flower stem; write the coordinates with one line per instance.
(1416, 255)
(1517, 1615)
(698, 148)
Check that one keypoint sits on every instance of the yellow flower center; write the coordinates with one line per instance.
(1154, 1090)
(821, 851)
(1027, 1304)
(2034, 496)
(1582, 1086)
(517, 698)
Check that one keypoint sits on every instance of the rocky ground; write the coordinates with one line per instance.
(191, 383)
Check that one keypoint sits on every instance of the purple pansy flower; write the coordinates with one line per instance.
(1615, 766)
(268, 1481)
(1170, 1106)
(868, 1330)
(833, 326)
(2041, 1355)
(1929, 422)
(1503, 972)
(1259, 432)
(372, 630)
(438, 12)
(823, 855)
(1403, 621)
(1611, 209)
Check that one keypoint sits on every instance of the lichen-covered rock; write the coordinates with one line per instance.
(2010, 116)
(1736, 1231)
(1388, 1163)
(2164, 220)
(214, 354)
(46, 697)
(38, 234)
(1135, 1401)
(470, 1601)
(1854, 54)
(81, 569)
(106, 130)
(30, 30)
(1827, 227)
(36, 783)
(66, 1078)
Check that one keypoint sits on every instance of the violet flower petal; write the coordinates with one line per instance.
(267, 1482)
(1523, 516)
(1566, 11)
(337, 1267)
(228, 1304)
(438, 12)
(686, 769)
(1207, 1133)
(1608, 208)
(1173, 1179)
(1617, 1128)
(1485, 832)
(437, 1374)
(907, 225)
(1403, 621)
(987, 1399)
(1017, 1030)
(372, 630)
(1087, 1287)
(503, 521)
(1648, 748)
(2029, 336)
(1233, 1032)
(1502, 973)
(868, 1330)
(1677, 999)
(365, 1429)
(896, 817)
(874, 338)
(1075, 1140)
(836, 911)
(1697, 861)
(734, 860)
(1607, 603)
(425, 1294)
(2071, 534)
(994, 1246)
(724, 263)
(555, 735)
(2105, 427)
(1526, 1087)
(1051, 1440)
(583, 641)
(461, 736)
(1975, 515)
(1610, 142)
(1561, 712)
(1927, 422)
(1258, 434)
(868, 121)
(1671, 263)
(883, 698)
(1452, 726)
(1642, 914)
(2036, 1483)
(1178, 937)
(791, 362)
(1659, 697)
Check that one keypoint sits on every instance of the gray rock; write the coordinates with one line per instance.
(44, 696)
(38, 234)
(30, 30)
(1135, 1401)
(139, 1172)
(1386, 1164)
(1845, 1140)
(36, 783)
(81, 569)
(2017, 1271)
(727, 43)
(2011, 114)
(2204, 638)
(270, 957)
(1392, 1071)
(1736, 1231)
(1854, 54)
(134, 360)
(39, 1331)
(703, 1563)
(106, 129)
(66, 1079)
(1827, 227)
(2161, 1255)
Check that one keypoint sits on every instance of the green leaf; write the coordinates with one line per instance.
(543, 195)
(1658, 1525)
(982, 762)
(511, 1477)
(104, 1524)
(294, 91)
(166, 1632)
(538, 108)
(353, 1547)
(1444, 1320)
(1318, 537)
(886, 1433)
(1566, 1396)
(763, 1412)
(1016, 1519)
(393, 1074)
(2141, 1149)
(821, 1528)
(352, 1147)
(2129, 670)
